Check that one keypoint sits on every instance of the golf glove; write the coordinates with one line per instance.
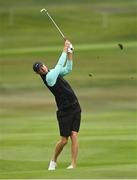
(70, 48)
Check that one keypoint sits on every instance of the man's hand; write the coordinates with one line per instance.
(70, 48)
(66, 46)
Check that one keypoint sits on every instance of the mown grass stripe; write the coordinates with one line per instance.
(116, 167)
(78, 47)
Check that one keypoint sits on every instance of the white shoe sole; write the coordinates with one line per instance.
(51, 169)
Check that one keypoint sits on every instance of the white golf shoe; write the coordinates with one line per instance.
(70, 167)
(52, 165)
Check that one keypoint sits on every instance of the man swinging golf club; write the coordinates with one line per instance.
(69, 111)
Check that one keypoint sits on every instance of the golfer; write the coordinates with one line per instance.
(69, 111)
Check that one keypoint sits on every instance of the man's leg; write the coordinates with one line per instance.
(59, 147)
(74, 148)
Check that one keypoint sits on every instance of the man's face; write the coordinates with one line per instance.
(43, 70)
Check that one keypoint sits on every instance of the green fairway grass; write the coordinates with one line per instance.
(107, 146)
(104, 78)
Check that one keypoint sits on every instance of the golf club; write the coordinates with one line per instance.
(45, 11)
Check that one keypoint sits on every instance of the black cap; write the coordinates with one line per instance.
(36, 66)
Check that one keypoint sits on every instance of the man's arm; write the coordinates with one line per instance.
(70, 55)
(53, 74)
(69, 64)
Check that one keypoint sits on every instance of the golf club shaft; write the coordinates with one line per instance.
(56, 25)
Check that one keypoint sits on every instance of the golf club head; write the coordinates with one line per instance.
(43, 10)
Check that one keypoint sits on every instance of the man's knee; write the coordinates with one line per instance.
(74, 134)
(64, 141)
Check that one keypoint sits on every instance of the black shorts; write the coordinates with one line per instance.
(68, 121)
